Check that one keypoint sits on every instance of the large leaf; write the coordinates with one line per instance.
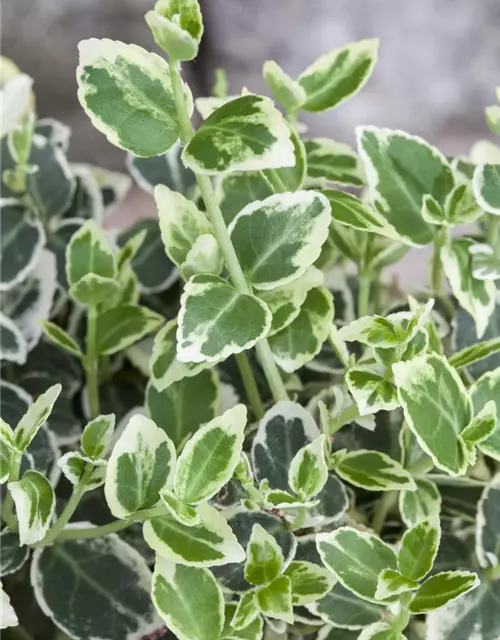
(127, 93)
(331, 161)
(245, 134)
(337, 75)
(189, 600)
(278, 238)
(35, 503)
(97, 588)
(437, 408)
(216, 321)
(121, 326)
(209, 458)
(486, 183)
(400, 170)
(441, 588)
(141, 464)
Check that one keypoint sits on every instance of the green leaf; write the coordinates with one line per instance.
(418, 550)
(275, 600)
(487, 526)
(310, 582)
(400, 170)
(308, 470)
(332, 161)
(203, 257)
(371, 391)
(477, 297)
(436, 407)
(35, 504)
(485, 389)
(14, 556)
(235, 190)
(265, 559)
(209, 458)
(127, 93)
(485, 263)
(372, 470)
(301, 340)
(70, 577)
(13, 346)
(282, 87)
(432, 211)
(165, 169)
(177, 27)
(140, 466)
(216, 321)
(210, 542)
(96, 436)
(245, 134)
(486, 184)
(278, 238)
(337, 75)
(474, 353)
(62, 338)
(181, 223)
(189, 600)
(246, 611)
(35, 417)
(8, 449)
(119, 327)
(89, 253)
(343, 609)
(441, 588)
(282, 500)
(181, 512)
(92, 290)
(422, 504)
(356, 559)
(381, 631)
(73, 466)
(392, 583)
(285, 302)
(174, 411)
(460, 207)
(482, 425)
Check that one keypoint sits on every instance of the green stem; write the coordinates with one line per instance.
(493, 230)
(111, 527)
(275, 181)
(250, 385)
(492, 574)
(8, 515)
(338, 346)
(69, 509)
(402, 618)
(364, 283)
(382, 508)
(221, 233)
(437, 275)
(92, 364)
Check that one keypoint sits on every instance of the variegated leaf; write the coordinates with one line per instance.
(35, 503)
(332, 161)
(486, 184)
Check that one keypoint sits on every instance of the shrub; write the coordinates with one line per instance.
(236, 394)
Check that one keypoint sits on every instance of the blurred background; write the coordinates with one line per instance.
(439, 60)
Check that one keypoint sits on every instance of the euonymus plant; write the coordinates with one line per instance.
(229, 422)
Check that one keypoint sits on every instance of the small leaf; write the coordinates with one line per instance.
(127, 93)
(371, 391)
(35, 504)
(189, 600)
(96, 436)
(209, 458)
(246, 611)
(442, 588)
(331, 161)
(461, 207)
(436, 407)
(61, 338)
(275, 600)
(308, 470)
(485, 389)
(216, 321)
(310, 582)
(235, 191)
(372, 470)
(73, 466)
(391, 583)
(140, 466)
(432, 211)
(482, 425)
(209, 543)
(119, 327)
(245, 134)
(486, 184)
(381, 631)
(165, 169)
(278, 238)
(283, 88)
(418, 550)
(203, 257)
(177, 27)
(35, 417)
(422, 504)
(487, 521)
(485, 263)
(264, 557)
(89, 253)
(356, 559)
(474, 353)
(339, 74)
(9, 617)
(181, 512)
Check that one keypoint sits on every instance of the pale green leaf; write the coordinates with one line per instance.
(371, 391)
(62, 338)
(356, 559)
(246, 611)
(392, 583)
(432, 211)
(422, 504)
(181, 512)
(481, 427)
(265, 559)
(35, 417)
(140, 466)
(488, 526)
(284, 89)
(209, 458)
(14, 556)
(339, 74)
(216, 321)
(442, 588)
(308, 470)
(332, 161)
(89, 253)
(127, 93)
(208, 543)
(203, 257)
(474, 353)
(96, 436)
(13, 346)
(121, 326)
(92, 290)
(177, 27)
(485, 389)
(436, 407)
(35, 503)
(245, 134)
(486, 184)
(275, 600)
(485, 263)
(189, 600)
(418, 550)
(460, 206)
(310, 582)
(372, 470)
(73, 466)
(380, 631)
(235, 190)
(278, 238)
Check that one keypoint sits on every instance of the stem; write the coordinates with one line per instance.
(493, 230)
(69, 509)
(364, 282)
(221, 233)
(402, 618)
(275, 180)
(92, 365)
(382, 508)
(8, 515)
(111, 527)
(437, 276)
(493, 573)
(250, 385)
(338, 346)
